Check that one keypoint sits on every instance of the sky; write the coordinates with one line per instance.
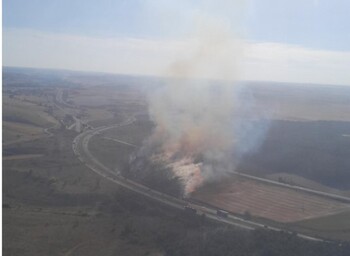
(305, 41)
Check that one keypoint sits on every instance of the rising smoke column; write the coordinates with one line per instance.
(194, 134)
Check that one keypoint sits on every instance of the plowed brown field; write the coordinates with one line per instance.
(269, 201)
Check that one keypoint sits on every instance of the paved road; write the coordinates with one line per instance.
(81, 149)
(59, 99)
(121, 142)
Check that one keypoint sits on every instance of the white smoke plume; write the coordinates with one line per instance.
(195, 118)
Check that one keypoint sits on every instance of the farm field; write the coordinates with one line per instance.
(268, 201)
(24, 119)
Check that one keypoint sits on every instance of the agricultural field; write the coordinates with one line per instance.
(268, 201)
(300, 102)
(24, 119)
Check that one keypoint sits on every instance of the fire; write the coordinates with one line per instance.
(180, 156)
(189, 173)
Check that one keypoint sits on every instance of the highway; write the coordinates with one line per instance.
(59, 100)
(122, 142)
(81, 150)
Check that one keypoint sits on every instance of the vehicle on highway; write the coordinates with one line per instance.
(190, 209)
(222, 213)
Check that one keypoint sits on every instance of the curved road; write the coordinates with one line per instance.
(81, 149)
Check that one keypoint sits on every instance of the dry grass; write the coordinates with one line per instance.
(13, 132)
(24, 120)
(44, 232)
(26, 112)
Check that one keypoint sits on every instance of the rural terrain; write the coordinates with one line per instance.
(70, 186)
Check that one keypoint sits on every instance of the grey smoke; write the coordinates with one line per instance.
(204, 127)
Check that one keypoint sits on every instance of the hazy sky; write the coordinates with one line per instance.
(284, 40)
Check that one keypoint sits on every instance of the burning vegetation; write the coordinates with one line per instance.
(197, 136)
(193, 136)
